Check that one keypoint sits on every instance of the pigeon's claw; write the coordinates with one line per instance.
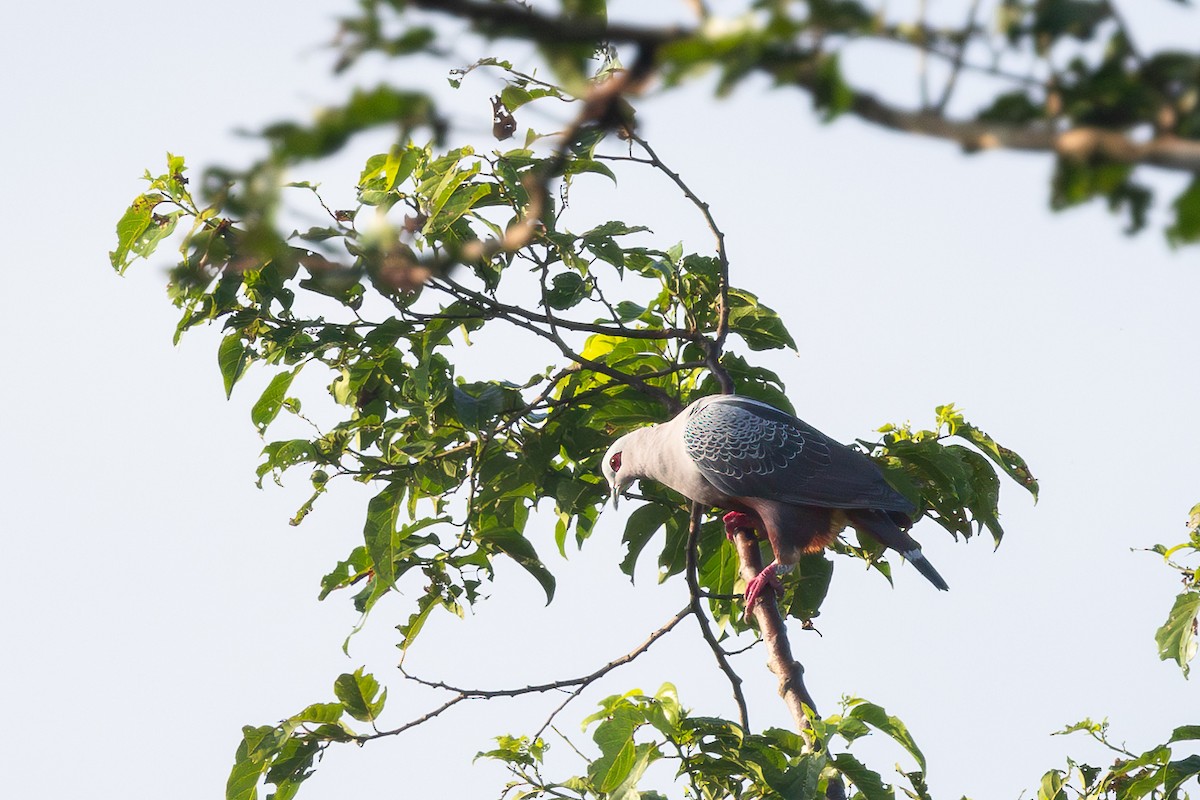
(769, 577)
(737, 522)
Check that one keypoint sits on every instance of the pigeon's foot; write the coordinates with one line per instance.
(768, 577)
(736, 521)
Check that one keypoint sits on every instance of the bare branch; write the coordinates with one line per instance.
(580, 683)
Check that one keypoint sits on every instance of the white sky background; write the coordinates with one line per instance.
(155, 601)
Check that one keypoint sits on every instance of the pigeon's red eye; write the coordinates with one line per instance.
(614, 463)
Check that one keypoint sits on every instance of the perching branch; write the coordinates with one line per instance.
(779, 652)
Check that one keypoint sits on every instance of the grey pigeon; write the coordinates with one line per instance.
(775, 474)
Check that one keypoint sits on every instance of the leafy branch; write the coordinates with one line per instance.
(460, 464)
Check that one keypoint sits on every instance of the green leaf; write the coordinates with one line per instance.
(1052, 786)
(232, 358)
(379, 532)
(879, 719)
(292, 765)
(359, 694)
(416, 620)
(270, 403)
(618, 769)
(320, 713)
(867, 781)
(513, 97)
(640, 527)
(759, 326)
(802, 780)
(131, 227)
(1013, 465)
(627, 789)
(1177, 637)
(1177, 772)
(1186, 227)
(249, 763)
(567, 290)
(831, 94)
(400, 163)
(462, 200)
(1185, 733)
(807, 591)
(514, 545)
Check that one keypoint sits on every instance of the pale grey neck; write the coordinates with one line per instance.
(653, 453)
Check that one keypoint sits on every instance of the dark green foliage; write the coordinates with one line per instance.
(715, 757)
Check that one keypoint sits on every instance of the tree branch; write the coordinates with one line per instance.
(792, 65)
(779, 652)
(580, 683)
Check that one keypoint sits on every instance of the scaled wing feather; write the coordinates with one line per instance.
(750, 449)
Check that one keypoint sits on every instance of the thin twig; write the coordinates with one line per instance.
(580, 683)
(460, 292)
(712, 347)
(956, 65)
(453, 701)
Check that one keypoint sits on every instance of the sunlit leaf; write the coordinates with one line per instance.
(1177, 637)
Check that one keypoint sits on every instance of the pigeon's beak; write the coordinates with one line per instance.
(616, 495)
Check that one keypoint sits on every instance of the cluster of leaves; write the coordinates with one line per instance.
(714, 757)
(1120, 90)
(1156, 773)
(954, 485)
(284, 754)
(1177, 638)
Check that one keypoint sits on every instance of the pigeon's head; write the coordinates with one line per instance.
(618, 478)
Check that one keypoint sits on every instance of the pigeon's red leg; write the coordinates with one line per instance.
(737, 521)
(768, 577)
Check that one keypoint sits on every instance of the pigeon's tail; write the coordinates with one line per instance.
(884, 528)
(918, 560)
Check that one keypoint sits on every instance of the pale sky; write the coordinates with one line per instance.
(156, 601)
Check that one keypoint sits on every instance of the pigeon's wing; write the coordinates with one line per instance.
(750, 449)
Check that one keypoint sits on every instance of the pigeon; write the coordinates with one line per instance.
(774, 474)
